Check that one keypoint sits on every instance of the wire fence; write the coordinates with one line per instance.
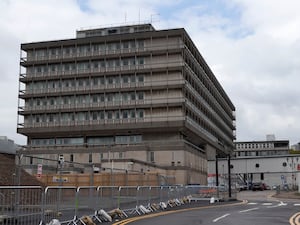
(39, 205)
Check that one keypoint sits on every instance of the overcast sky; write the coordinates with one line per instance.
(252, 46)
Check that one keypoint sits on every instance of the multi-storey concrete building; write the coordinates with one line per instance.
(128, 97)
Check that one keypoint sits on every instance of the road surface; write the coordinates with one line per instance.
(261, 209)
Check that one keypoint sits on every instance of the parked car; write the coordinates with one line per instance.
(266, 187)
(258, 186)
(242, 187)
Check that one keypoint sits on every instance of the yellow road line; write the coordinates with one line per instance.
(294, 220)
(133, 219)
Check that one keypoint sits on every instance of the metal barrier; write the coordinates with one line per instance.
(37, 205)
(198, 192)
(108, 197)
(20, 205)
(59, 202)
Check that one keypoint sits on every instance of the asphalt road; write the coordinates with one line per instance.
(261, 209)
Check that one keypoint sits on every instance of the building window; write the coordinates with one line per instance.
(125, 45)
(102, 98)
(125, 114)
(90, 158)
(102, 115)
(125, 79)
(140, 95)
(117, 114)
(140, 44)
(69, 141)
(151, 156)
(109, 115)
(109, 97)
(140, 113)
(141, 61)
(132, 96)
(132, 113)
(110, 80)
(125, 62)
(94, 115)
(140, 78)
(71, 158)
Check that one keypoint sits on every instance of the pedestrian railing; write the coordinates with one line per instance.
(39, 205)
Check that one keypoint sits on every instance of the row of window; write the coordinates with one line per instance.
(85, 82)
(198, 120)
(108, 140)
(91, 157)
(207, 112)
(254, 145)
(86, 99)
(85, 116)
(210, 84)
(85, 66)
(199, 88)
(86, 49)
(261, 153)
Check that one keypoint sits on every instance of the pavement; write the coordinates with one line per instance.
(287, 195)
(268, 194)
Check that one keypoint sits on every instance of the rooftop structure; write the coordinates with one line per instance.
(261, 148)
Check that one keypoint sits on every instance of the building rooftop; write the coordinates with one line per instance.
(114, 30)
(7, 145)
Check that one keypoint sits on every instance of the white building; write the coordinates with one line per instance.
(271, 170)
(270, 162)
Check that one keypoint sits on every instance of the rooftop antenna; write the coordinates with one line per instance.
(125, 16)
(139, 16)
(153, 19)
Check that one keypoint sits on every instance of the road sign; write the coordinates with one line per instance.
(39, 170)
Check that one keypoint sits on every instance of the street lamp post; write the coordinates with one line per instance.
(293, 165)
(217, 171)
(229, 177)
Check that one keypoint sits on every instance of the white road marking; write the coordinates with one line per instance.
(221, 217)
(278, 205)
(267, 203)
(297, 204)
(273, 206)
(282, 204)
(252, 203)
(247, 210)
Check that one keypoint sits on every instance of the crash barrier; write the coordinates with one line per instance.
(39, 205)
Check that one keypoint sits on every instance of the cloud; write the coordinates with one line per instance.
(252, 47)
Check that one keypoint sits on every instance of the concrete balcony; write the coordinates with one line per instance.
(99, 53)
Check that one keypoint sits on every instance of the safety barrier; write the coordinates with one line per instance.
(59, 201)
(38, 205)
(20, 205)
